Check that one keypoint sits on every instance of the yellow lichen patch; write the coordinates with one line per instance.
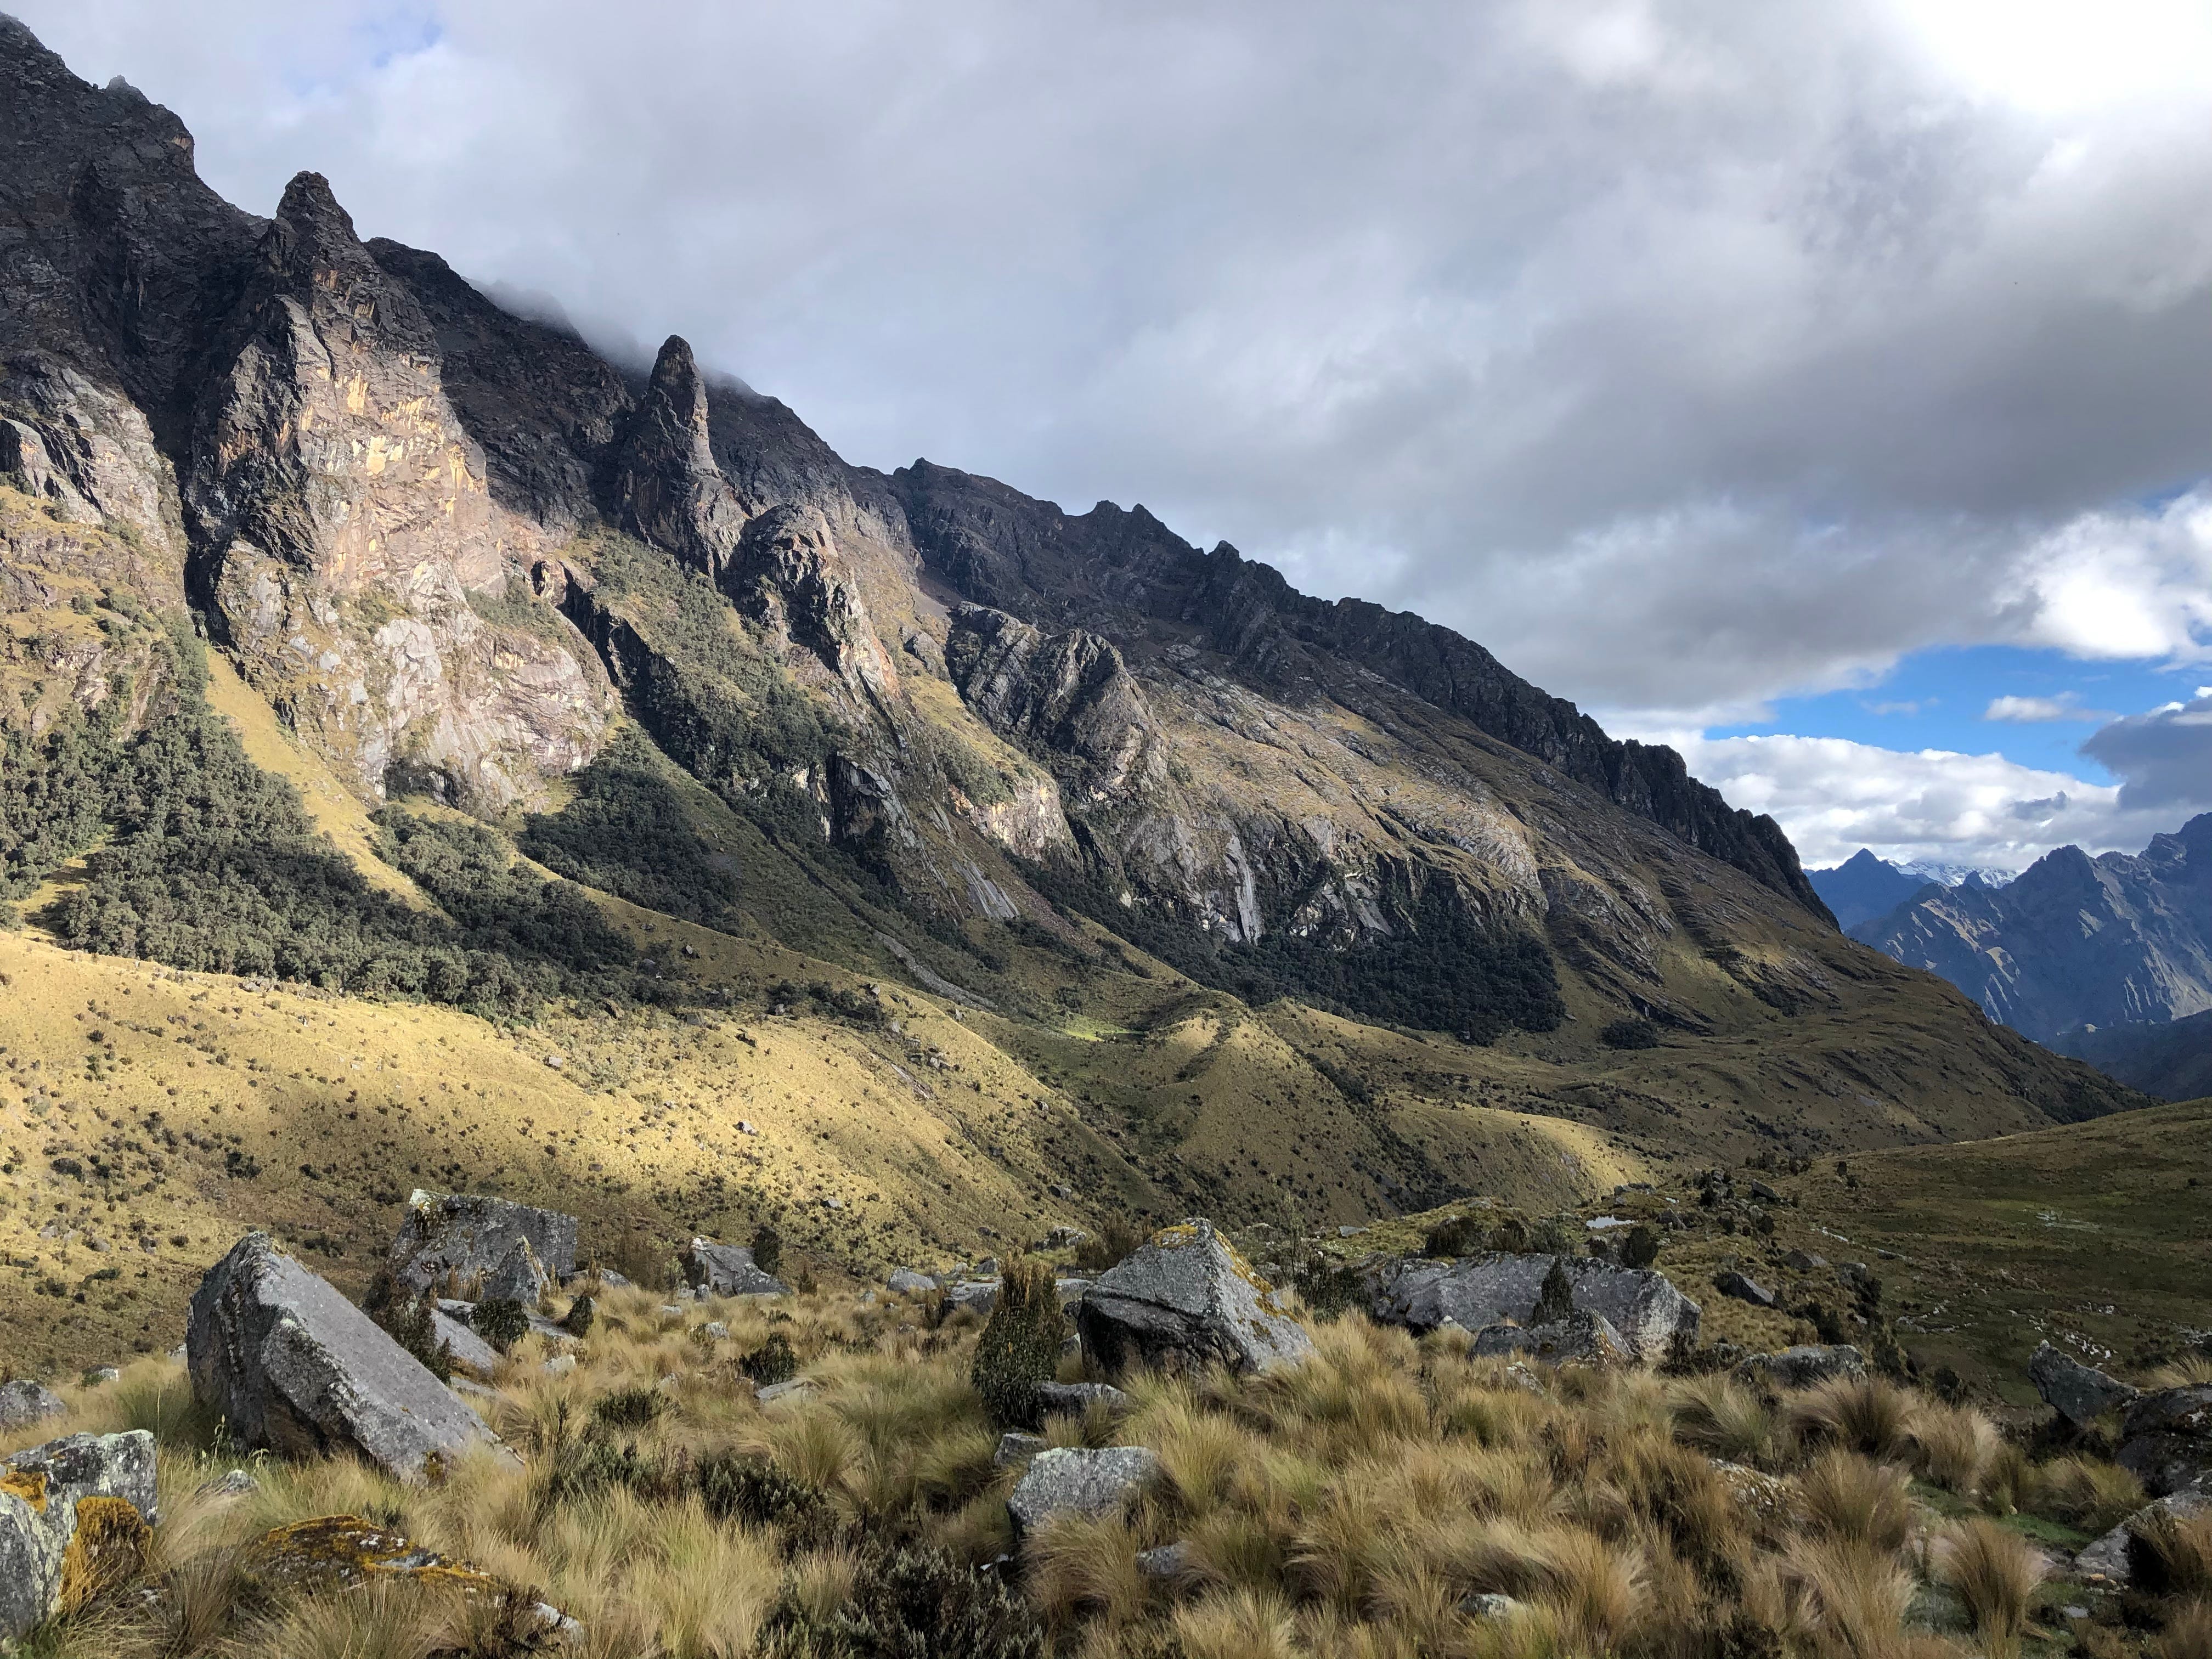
(29, 1484)
(107, 1552)
(344, 1550)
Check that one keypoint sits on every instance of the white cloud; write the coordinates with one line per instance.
(2032, 710)
(2164, 757)
(1834, 796)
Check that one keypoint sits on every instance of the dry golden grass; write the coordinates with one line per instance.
(1353, 1506)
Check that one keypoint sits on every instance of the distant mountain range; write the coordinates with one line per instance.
(1864, 888)
(2093, 956)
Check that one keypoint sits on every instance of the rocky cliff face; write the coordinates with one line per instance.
(2109, 941)
(448, 545)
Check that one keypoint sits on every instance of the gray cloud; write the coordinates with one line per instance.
(2163, 759)
(1685, 352)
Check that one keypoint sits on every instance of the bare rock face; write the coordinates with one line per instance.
(1643, 1306)
(1802, 1366)
(1583, 1338)
(1071, 693)
(672, 493)
(74, 1520)
(519, 1277)
(726, 1270)
(292, 1365)
(466, 1237)
(359, 568)
(2168, 1438)
(1184, 1301)
(23, 1403)
(787, 575)
(2080, 1394)
(1075, 1481)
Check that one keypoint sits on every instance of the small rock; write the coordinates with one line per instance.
(467, 1349)
(609, 1279)
(906, 1281)
(798, 1389)
(1765, 1495)
(236, 1483)
(23, 1403)
(2080, 1394)
(1073, 1399)
(100, 1375)
(1073, 1480)
(975, 1296)
(2167, 1438)
(75, 1520)
(1649, 1313)
(462, 1237)
(1766, 1194)
(1803, 1262)
(2108, 1556)
(670, 1313)
(1166, 1564)
(715, 1330)
(559, 1365)
(1480, 1604)
(1065, 1237)
(1524, 1379)
(1015, 1446)
(1744, 1290)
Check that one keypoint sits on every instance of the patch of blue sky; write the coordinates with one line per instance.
(326, 55)
(1943, 699)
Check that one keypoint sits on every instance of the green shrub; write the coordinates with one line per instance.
(503, 1321)
(1457, 1235)
(630, 1408)
(771, 1362)
(735, 1487)
(578, 1321)
(910, 1603)
(1020, 1348)
(767, 1248)
(1640, 1249)
(1555, 1301)
(1632, 1033)
(1325, 1287)
(1112, 1244)
(406, 1319)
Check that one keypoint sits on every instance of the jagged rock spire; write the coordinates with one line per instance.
(672, 493)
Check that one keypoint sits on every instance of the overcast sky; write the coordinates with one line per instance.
(1723, 366)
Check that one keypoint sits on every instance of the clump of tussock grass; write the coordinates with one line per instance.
(1344, 1507)
(1994, 1572)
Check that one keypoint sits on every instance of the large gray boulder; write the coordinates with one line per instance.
(289, 1363)
(74, 1520)
(2167, 1438)
(451, 1242)
(1583, 1338)
(24, 1402)
(1474, 1292)
(1804, 1366)
(1073, 1480)
(1184, 1301)
(519, 1277)
(468, 1350)
(2080, 1394)
(726, 1270)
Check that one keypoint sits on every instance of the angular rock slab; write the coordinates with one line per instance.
(519, 1277)
(2080, 1394)
(23, 1403)
(1744, 1288)
(726, 1270)
(1184, 1301)
(1073, 1480)
(2168, 1439)
(1583, 1338)
(468, 1236)
(470, 1351)
(74, 1520)
(1643, 1306)
(1802, 1366)
(2108, 1556)
(290, 1364)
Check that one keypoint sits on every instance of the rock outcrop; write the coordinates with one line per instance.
(726, 1270)
(1804, 1366)
(1184, 1301)
(290, 1364)
(1644, 1306)
(2080, 1394)
(2167, 1438)
(460, 1239)
(75, 1515)
(1075, 1481)
(23, 1402)
(1583, 1338)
